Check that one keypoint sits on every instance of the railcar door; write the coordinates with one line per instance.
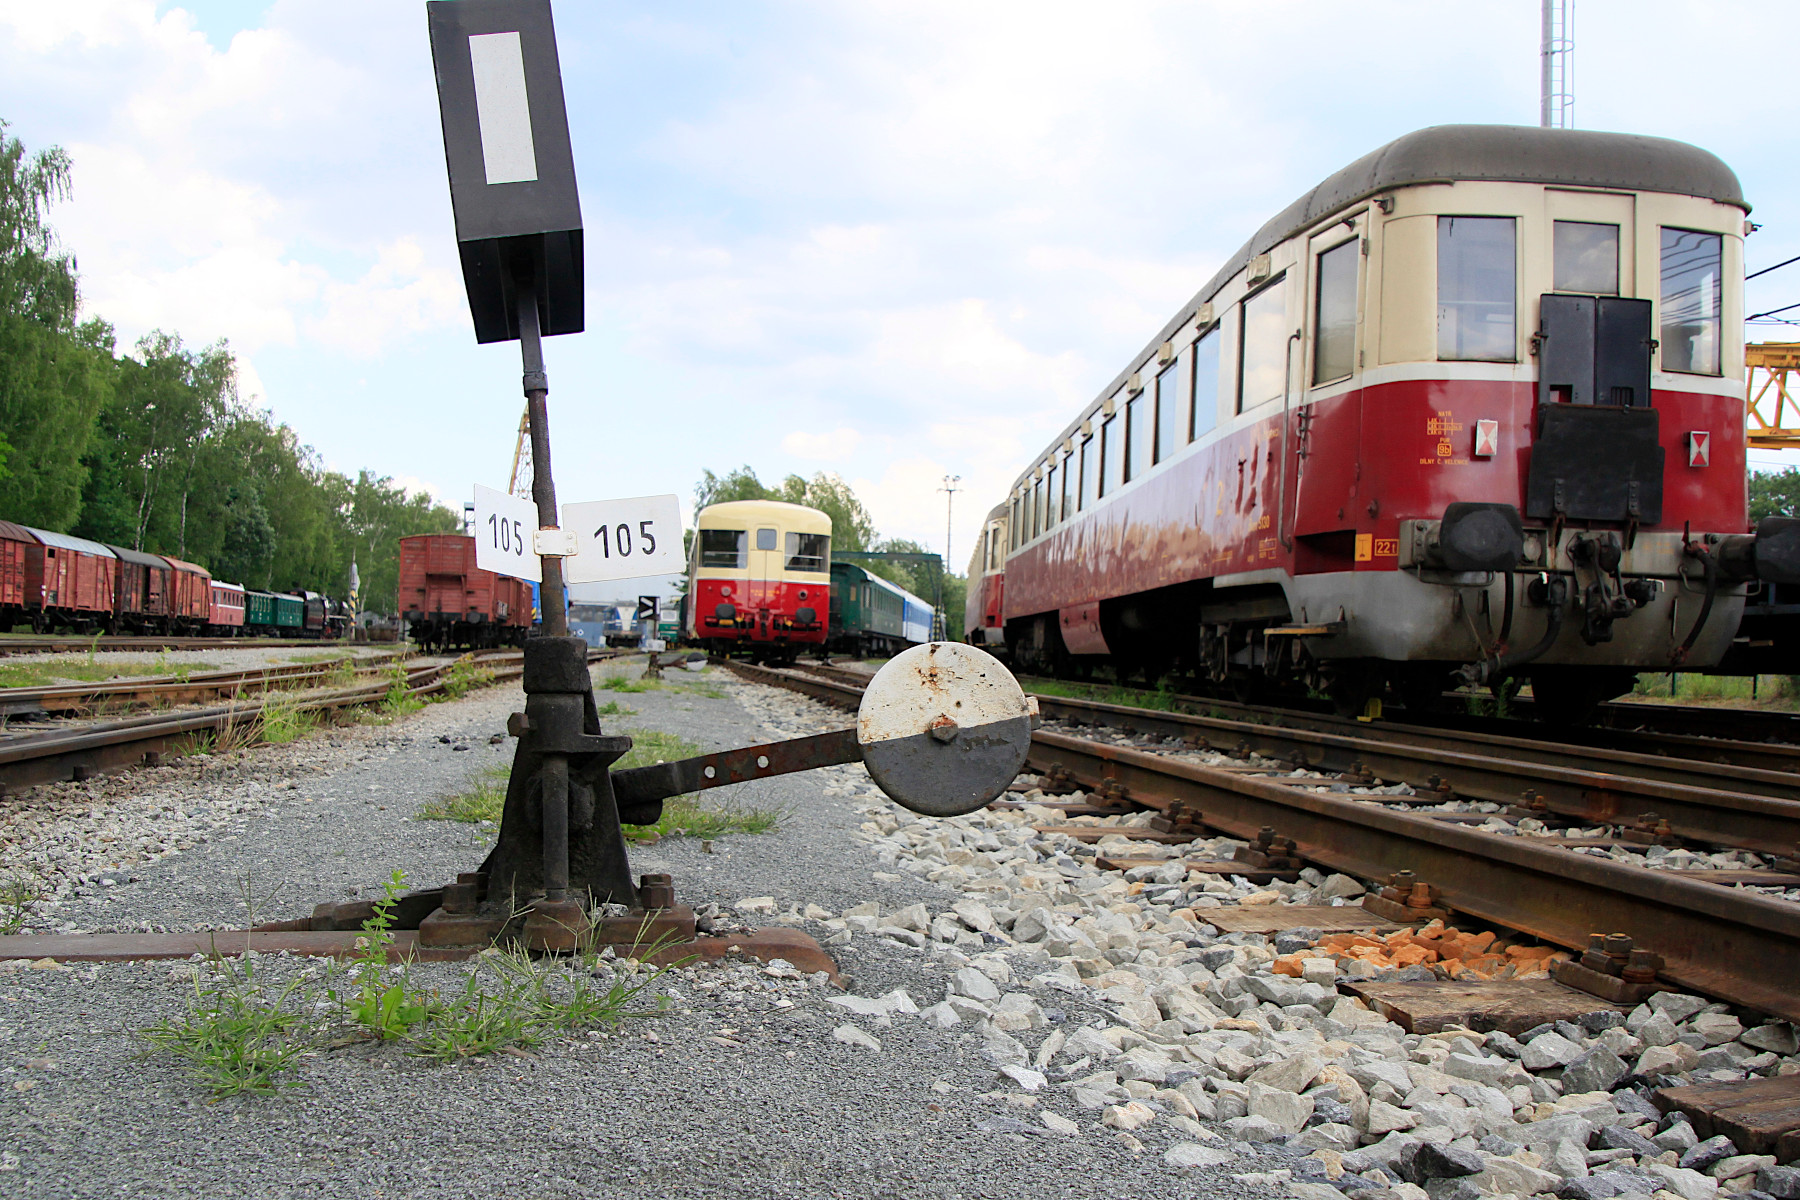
(765, 577)
(1324, 428)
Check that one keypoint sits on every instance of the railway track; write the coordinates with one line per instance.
(35, 644)
(1728, 942)
(31, 759)
(177, 689)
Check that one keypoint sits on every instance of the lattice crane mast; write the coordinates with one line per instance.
(1772, 404)
(520, 483)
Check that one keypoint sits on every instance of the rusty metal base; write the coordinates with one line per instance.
(1610, 988)
(761, 944)
(1403, 913)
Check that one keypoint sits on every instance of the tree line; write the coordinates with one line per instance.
(154, 449)
(852, 529)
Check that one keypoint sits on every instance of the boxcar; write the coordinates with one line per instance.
(141, 592)
(13, 543)
(190, 596)
(759, 578)
(871, 615)
(449, 601)
(69, 581)
(225, 609)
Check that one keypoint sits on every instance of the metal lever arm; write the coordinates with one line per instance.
(642, 786)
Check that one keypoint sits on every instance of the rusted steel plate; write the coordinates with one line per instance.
(944, 728)
(1736, 945)
(1768, 822)
(640, 785)
(1509, 1005)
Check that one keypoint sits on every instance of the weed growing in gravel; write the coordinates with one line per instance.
(685, 816)
(612, 708)
(400, 701)
(623, 683)
(16, 898)
(483, 800)
(709, 691)
(236, 1036)
(283, 720)
(464, 675)
(385, 1007)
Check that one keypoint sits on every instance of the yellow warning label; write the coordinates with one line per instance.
(1365, 547)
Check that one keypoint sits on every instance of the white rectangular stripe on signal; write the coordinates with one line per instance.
(502, 108)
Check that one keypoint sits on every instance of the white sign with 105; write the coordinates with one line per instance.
(504, 526)
(623, 539)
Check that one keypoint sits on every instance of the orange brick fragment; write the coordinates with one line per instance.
(1524, 954)
(1407, 956)
(1287, 964)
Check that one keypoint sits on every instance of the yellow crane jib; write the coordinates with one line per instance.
(1772, 409)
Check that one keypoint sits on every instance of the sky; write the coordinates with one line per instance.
(894, 241)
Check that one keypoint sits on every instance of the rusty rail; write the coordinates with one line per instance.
(35, 644)
(1739, 946)
(177, 689)
(78, 754)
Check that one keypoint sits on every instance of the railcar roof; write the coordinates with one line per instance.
(14, 533)
(792, 516)
(63, 541)
(139, 558)
(191, 568)
(1484, 153)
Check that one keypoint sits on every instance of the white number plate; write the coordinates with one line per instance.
(621, 539)
(504, 528)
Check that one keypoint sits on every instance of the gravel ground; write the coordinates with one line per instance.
(134, 662)
(752, 1085)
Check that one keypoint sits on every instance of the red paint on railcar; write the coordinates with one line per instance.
(763, 610)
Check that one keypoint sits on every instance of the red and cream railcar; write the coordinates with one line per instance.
(190, 596)
(983, 622)
(759, 578)
(69, 581)
(1470, 408)
(225, 609)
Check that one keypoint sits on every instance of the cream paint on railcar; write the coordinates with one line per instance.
(1398, 265)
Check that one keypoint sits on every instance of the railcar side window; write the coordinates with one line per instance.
(1477, 295)
(1139, 427)
(1036, 502)
(1112, 455)
(1205, 390)
(1334, 314)
(1587, 258)
(1169, 412)
(726, 548)
(1090, 472)
(1691, 267)
(1013, 529)
(765, 539)
(1050, 496)
(808, 551)
(1070, 486)
(1262, 370)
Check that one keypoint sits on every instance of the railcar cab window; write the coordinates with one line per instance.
(1205, 390)
(1090, 471)
(1334, 313)
(1477, 292)
(1691, 268)
(765, 539)
(808, 551)
(1586, 258)
(726, 548)
(1262, 370)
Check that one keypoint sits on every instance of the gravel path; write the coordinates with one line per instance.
(753, 1085)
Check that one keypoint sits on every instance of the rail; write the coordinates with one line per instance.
(1739, 946)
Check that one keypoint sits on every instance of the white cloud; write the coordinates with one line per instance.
(833, 446)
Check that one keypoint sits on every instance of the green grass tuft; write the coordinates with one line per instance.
(483, 800)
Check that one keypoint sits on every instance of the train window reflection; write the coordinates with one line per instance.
(1206, 385)
(1334, 316)
(1069, 486)
(808, 551)
(1112, 455)
(1262, 373)
(1690, 301)
(1050, 497)
(1587, 258)
(765, 539)
(1169, 412)
(1137, 437)
(723, 548)
(1476, 292)
(1090, 472)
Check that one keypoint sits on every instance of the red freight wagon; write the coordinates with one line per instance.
(190, 596)
(141, 592)
(225, 616)
(14, 541)
(68, 581)
(449, 601)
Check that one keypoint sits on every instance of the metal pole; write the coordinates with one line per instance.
(543, 487)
